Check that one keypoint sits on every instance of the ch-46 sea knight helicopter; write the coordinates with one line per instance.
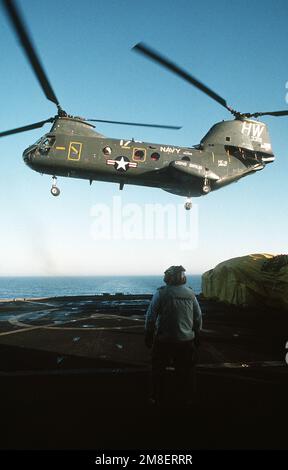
(72, 148)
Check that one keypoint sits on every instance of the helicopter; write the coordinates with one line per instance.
(72, 148)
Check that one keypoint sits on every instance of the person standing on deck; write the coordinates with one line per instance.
(172, 326)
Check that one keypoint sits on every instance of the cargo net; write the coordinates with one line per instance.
(275, 264)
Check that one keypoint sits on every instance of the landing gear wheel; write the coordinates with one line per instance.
(206, 189)
(55, 191)
(188, 205)
(206, 186)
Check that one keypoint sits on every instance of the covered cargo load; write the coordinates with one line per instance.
(257, 279)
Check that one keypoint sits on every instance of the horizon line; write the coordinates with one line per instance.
(89, 275)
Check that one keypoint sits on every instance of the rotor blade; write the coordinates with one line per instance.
(36, 125)
(268, 113)
(154, 55)
(22, 33)
(135, 124)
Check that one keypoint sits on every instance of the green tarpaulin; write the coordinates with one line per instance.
(249, 280)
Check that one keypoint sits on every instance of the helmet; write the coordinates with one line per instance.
(175, 275)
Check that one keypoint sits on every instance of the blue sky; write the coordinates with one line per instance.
(239, 49)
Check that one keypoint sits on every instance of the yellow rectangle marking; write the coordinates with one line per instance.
(74, 152)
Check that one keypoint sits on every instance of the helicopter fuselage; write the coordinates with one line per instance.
(74, 149)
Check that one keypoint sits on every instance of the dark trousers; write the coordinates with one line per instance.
(181, 356)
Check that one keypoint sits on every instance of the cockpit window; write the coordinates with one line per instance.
(46, 145)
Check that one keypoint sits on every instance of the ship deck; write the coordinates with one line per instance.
(75, 373)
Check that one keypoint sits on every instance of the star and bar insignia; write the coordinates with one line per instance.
(121, 163)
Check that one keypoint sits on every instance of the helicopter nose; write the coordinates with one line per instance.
(29, 153)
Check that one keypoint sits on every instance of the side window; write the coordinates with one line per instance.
(139, 155)
(107, 151)
(155, 156)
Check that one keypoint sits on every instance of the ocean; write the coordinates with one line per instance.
(29, 287)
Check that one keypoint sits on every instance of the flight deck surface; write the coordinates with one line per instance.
(67, 363)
